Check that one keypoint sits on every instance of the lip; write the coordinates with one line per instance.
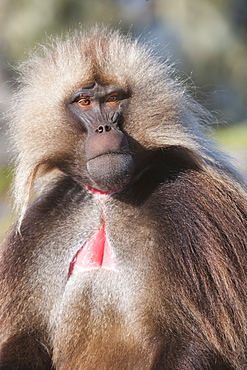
(108, 153)
(110, 170)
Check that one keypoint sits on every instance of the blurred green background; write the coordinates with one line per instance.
(207, 40)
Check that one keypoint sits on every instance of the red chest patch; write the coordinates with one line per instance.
(95, 253)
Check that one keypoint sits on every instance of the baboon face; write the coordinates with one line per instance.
(98, 112)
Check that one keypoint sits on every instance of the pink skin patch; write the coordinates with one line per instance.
(96, 191)
(95, 253)
(101, 194)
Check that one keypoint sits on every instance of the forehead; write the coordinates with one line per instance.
(98, 90)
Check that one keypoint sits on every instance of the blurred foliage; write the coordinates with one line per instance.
(211, 38)
(234, 137)
(5, 209)
(5, 178)
(233, 140)
(26, 22)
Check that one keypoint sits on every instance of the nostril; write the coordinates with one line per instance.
(107, 128)
(102, 128)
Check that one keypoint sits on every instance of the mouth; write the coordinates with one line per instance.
(110, 153)
(111, 170)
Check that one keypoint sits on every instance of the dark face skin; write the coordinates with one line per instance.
(99, 109)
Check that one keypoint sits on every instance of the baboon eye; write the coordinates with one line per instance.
(112, 99)
(84, 101)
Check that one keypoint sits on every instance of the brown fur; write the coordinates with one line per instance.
(179, 230)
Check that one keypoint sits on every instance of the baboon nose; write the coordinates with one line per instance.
(103, 128)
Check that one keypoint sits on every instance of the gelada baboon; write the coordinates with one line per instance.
(130, 248)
